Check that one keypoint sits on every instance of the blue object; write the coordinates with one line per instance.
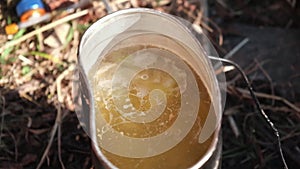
(26, 5)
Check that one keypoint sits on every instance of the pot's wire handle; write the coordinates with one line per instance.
(257, 103)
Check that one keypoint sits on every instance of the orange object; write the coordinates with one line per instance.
(11, 29)
(32, 12)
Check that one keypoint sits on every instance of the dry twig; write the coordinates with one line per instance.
(268, 77)
(203, 24)
(234, 50)
(59, 143)
(58, 119)
(233, 126)
(283, 109)
(53, 132)
(269, 96)
(2, 117)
